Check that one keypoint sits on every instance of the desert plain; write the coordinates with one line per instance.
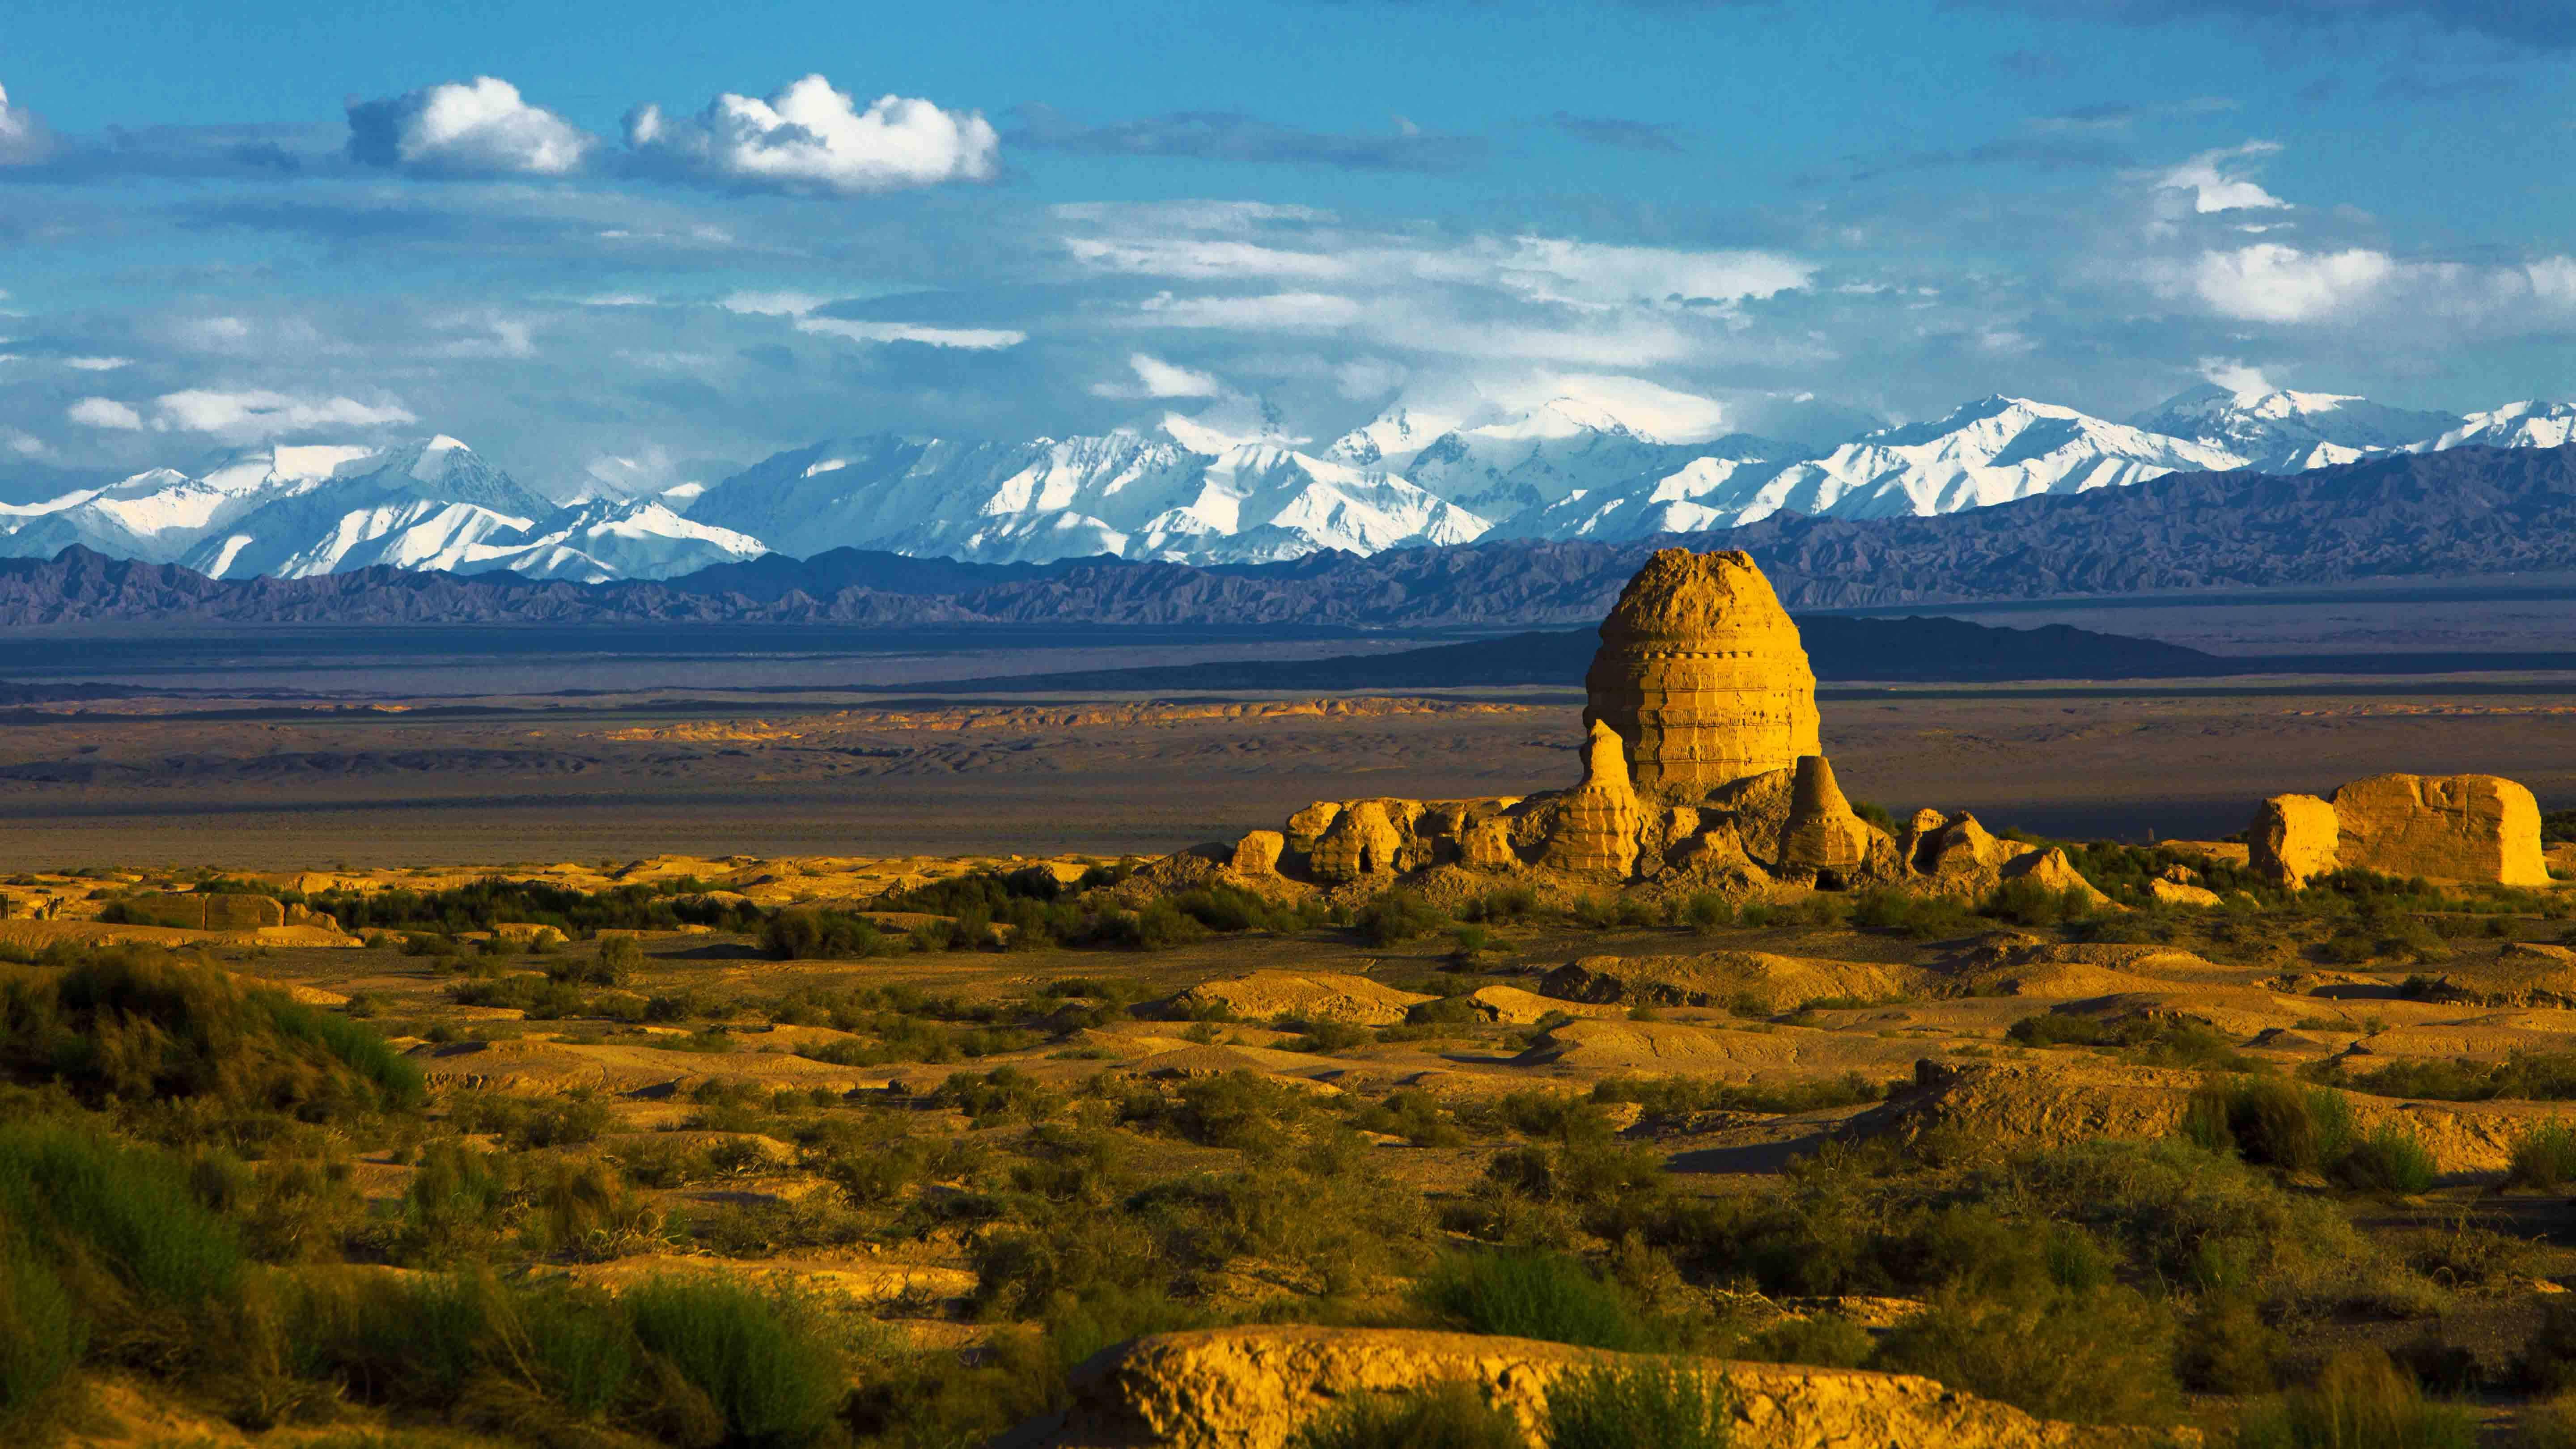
(791, 1049)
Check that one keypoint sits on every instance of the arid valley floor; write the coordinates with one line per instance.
(742, 1057)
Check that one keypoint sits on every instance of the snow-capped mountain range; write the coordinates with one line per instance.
(293, 512)
(1568, 469)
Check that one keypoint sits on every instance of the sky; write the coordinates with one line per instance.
(625, 246)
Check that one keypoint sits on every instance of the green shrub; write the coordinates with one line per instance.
(42, 1333)
(137, 1024)
(2548, 1361)
(1635, 1405)
(1451, 1416)
(659, 906)
(997, 1096)
(617, 958)
(1398, 916)
(2547, 1426)
(1416, 1117)
(1829, 1340)
(802, 935)
(1678, 1096)
(2146, 1040)
(1533, 1295)
(2227, 1348)
(762, 1360)
(2100, 1357)
(2545, 1158)
(2359, 1401)
(2273, 1123)
(1922, 917)
(2549, 1076)
(2389, 1160)
(1503, 903)
(116, 1214)
(2025, 902)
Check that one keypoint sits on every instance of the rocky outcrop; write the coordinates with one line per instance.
(1755, 981)
(1257, 1387)
(1307, 996)
(2051, 871)
(1363, 840)
(1821, 833)
(2481, 828)
(1594, 832)
(1258, 852)
(2293, 837)
(1702, 675)
(209, 911)
(2181, 893)
(1701, 772)
(2446, 827)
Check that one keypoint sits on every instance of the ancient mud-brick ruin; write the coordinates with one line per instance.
(2442, 827)
(1702, 675)
(1703, 770)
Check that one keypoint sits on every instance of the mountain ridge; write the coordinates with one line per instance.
(1568, 470)
(2466, 511)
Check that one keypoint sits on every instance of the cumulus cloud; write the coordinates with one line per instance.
(257, 414)
(476, 128)
(105, 412)
(2233, 375)
(2276, 283)
(2215, 182)
(812, 136)
(2270, 282)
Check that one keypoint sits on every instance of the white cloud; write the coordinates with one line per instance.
(1203, 258)
(105, 412)
(2270, 282)
(1590, 274)
(2235, 376)
(980, 339)
(2211, 179)
(773, 304)
(97, 364)
(1276, 312)
(2553, 280)
(1663, 412)
(258, 414)
(1156, 378)
(22, 136)
(812, 135)
(25, 445)
(478, 128)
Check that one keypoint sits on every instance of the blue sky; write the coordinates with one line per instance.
(222, 226)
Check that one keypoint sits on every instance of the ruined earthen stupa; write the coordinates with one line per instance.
(1702, 675)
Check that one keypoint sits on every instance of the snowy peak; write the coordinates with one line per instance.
(2515, 425)
(292, 512)
(1198, 489)
(2281, 431)
(1391, 442)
